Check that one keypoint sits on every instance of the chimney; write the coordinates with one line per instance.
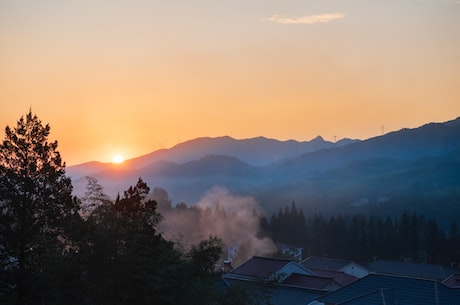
(227, 266)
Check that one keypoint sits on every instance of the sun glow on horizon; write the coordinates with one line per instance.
(117, 159)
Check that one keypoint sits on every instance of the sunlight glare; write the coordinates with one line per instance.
(117, 159)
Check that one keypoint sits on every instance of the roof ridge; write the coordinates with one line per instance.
(274, 258)
(263, 257)
(314, 275)
(403, 277)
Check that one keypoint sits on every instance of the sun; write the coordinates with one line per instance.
(118, 159)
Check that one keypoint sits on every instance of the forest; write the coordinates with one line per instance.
(53, 252)
(56, 248)
(364, 238)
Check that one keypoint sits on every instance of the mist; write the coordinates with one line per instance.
(233, 218)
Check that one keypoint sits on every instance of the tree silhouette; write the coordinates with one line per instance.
(94, 197)
(35, 207)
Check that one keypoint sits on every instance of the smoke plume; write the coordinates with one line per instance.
(233, 218)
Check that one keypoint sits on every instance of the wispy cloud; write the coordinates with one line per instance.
(310, 19)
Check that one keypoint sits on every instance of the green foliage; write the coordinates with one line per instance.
(115, 254)
(251, 293)
(36, 207)
(205, 255)
(94, 197)
(288, 226)
(129, 262)
(361, 238)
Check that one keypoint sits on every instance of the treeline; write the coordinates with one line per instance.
(363, 238)
(110, 252)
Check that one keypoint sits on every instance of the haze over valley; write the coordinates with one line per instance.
(229, 152)
(411, 169)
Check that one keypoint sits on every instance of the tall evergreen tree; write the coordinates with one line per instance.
(129, 262)
(94, 197)
(293, 211)
(453, 244)
(35, 207)
(432, 241)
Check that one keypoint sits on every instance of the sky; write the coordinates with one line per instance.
(130, 77)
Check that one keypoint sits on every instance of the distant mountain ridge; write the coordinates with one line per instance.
(433, 139)
(414, 169)
(210, 165)
(258, 151)
(255, 151)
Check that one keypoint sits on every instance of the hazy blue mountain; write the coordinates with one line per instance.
(416, 169)
(185, 182)
(255, 151)
(434, 139)
(86, 169)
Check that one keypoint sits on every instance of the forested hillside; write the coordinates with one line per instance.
(417, 170)
(362, 238)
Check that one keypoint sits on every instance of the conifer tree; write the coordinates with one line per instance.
(35, 207)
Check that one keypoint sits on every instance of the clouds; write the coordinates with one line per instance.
(309, 19)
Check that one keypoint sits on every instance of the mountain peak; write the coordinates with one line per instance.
(318, 139)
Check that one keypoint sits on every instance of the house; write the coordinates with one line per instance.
(311, 282)
(285, 295)
(453, 281)
(281, 281)
(376, 297)
(292, 252)
(266, 269)
(258, 293)
(339, 277)
(380, 289)
(428, 271)
(338, 265)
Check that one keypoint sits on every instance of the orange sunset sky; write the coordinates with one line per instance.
(129, 77)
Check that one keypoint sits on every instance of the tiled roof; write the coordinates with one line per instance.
(275, 294)
(452, 281)
(412, 269)
(339, 277)
(307, 281)
(260, 267)
(406, 291)
(324, 263)
(376, 297)
(283, 295)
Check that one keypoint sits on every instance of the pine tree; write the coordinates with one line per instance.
(94, 197)
(432, 241)
(35, 207)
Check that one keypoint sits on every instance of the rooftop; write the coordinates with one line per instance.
(427, 271)
(376, 297)
(260, 267)
(339, 277)
(453, 281)
(307, 281)
(405, 291)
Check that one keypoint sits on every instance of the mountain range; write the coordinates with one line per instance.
(411, 169)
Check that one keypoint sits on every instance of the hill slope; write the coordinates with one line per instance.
(415, 169)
